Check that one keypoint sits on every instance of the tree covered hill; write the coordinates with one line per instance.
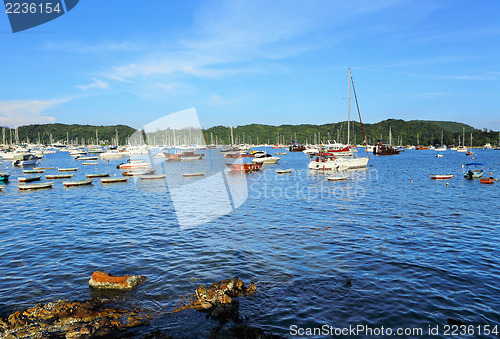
(403, 132)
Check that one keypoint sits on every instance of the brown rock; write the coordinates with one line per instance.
(103, 280)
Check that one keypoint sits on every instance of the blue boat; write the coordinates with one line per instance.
(4, 176)
(473, 170)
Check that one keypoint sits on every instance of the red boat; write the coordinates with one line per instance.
(251, 167)
(238, 155)
(441, 176)
(489, 180)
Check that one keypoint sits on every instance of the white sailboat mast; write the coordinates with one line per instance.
(348, 106)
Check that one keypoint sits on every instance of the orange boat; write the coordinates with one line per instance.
(489, 180)
(252, 167)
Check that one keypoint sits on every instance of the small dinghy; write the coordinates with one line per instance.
(439, 155)
(90, 163)
(196, 174)
(68, 169)
(441, 176)
(87, 158)
(34, 171)
(153, 176)
(58, 176)
(77, 183)
(489, 180)
(97, 175)
(132, 173)
(284, 171)
(113, 180)
(41, 185)
(29, 179)
(337, 177)
(42, 168)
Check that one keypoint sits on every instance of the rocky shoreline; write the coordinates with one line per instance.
(96, 318)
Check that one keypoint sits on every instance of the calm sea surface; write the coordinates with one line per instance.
(387, 247)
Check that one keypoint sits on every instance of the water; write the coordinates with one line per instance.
(387, 247)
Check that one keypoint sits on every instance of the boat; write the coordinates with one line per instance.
(385, 149)
(281, 153)
(238, 155)
(153, 176)
(41, 185)
(264, 157)
(97, 175)
(194, 174)
(439, 155)
(338, 149)
(251, 167)
(33, 171)
(284, 171)
(24, 159)
(296, 147)
(77, 183)
(138, 172)
(87, 158)
(337, 177)
(58, 176)
(4, 176)
(489, 180)
(113, 180)
(42, 168)
(113, 154)
(183, 155)
(441, 176)
(134, 165)
(90, 163)
(462, 148)
(487, 146)
(470, 153)
(29, 179)
(68, 169)
(473, 170)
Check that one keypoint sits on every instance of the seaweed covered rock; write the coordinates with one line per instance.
(218, 299)
(71, 319)
(103, 280)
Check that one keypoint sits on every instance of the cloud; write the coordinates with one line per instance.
(24, 112)
(96, 83)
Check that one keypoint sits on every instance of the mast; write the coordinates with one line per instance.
(464, 136)
(96, 137)
(173, 126)
(232, 136)
(348, 104)
(390, 136)
(3, 136)
(67, 138)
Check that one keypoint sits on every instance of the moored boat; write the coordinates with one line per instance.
(68, 169)
(87, 158)
(489, 180)
(4, 176)
(58, 176)
(138, 172)
(29, 179)
(113, 180)
(90, 163)
(97, 175)
(152, 176)
(337, 177)
(439, 155)
(385, 149)
(284, 171)
(77, 182)
(252, 167)
(296, 147)
(24, 159)
(41, 185)
(33, 171)
(441, 176)
(473, 170)
(194, 174)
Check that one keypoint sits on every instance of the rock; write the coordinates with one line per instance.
(218, 299)
(71, 319)
(103, 280)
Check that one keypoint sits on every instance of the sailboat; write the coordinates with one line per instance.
(462, 148)
(327, 160)
(498, 146)
(441, 148)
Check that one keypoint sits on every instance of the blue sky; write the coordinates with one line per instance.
(240, 62)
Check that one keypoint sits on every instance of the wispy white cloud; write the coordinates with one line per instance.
(24, 112)
(77, 47)
(96, 84)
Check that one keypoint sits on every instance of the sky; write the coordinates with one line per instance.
(240, 62)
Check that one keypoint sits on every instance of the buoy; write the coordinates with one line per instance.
(411, 180)
(202, 161)
(496, 179)
(491, 173)
(447, 184)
